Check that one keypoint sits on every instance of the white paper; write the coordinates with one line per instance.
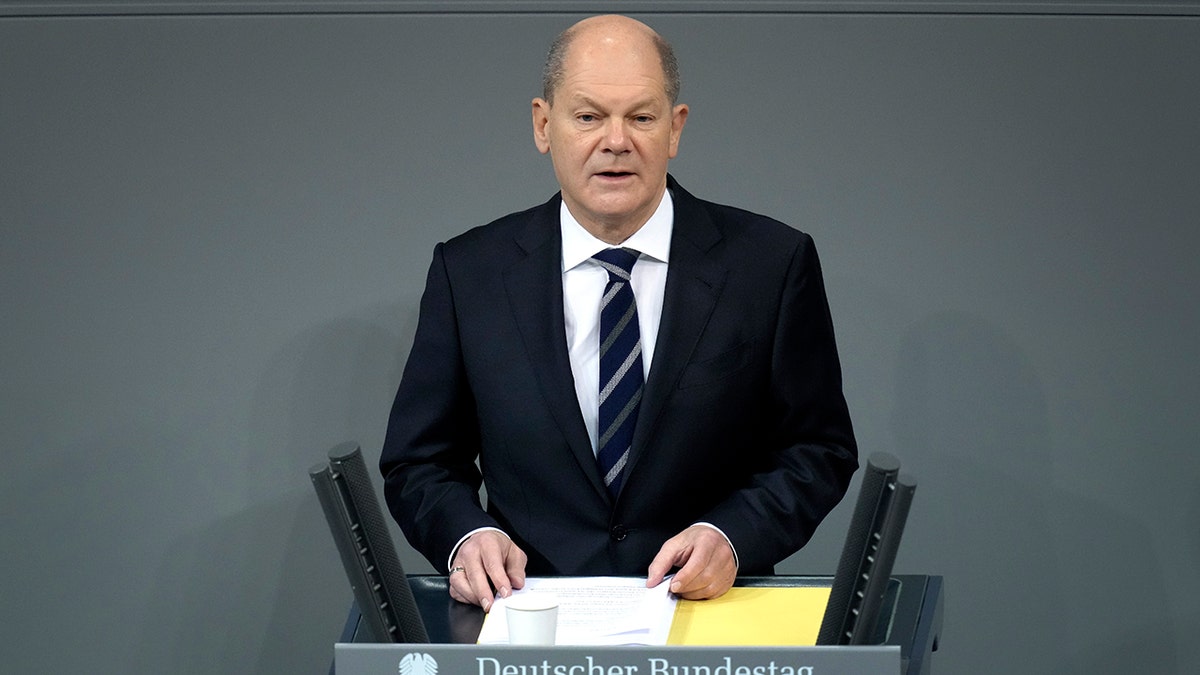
(596, 611)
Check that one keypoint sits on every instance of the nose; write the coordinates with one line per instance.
(616, 140)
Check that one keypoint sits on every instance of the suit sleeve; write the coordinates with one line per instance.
(808, 453)
(431, 480)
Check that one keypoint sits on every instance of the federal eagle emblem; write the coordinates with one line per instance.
(418, 664)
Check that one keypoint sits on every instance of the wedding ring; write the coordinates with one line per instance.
(458, 568)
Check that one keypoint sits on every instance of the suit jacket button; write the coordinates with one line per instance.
(619, 532)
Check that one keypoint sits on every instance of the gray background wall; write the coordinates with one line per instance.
(216, 220)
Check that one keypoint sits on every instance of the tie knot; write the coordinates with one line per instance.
(618, 261)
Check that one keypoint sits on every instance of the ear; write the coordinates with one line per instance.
(541, 120)
(678, 119)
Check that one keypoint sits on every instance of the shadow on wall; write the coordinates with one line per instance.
(330, 384)
(1030, 568)
(335, 383)
(251, 593)
(262, 590)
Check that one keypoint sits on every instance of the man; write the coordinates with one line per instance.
(729, 440)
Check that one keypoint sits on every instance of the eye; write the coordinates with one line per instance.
(586, 118)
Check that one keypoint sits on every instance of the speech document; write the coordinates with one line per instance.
(595, 611)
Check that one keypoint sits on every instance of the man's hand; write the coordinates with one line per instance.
(707, 568)
(488, 560)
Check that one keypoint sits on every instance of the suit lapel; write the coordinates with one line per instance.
(694, 282)
(534, 288)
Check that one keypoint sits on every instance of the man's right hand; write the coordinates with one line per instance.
(487, 560)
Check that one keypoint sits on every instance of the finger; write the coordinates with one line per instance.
(479, 589)
(498, 553)
(671, 554)
(468, 579)
(719, 578)
(659, 567)
(497, 574)
(692, 576)
(514, 566)
(460, 586)
(457, 594)
(704, 593)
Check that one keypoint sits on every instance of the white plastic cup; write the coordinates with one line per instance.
(532, 618)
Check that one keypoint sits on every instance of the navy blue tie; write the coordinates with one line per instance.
(621, 375)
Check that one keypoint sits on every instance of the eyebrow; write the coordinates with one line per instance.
(586, 100)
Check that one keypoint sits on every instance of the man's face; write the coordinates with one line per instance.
(610, 133)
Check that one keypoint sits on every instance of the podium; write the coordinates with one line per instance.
(880, 623)
(906, 634)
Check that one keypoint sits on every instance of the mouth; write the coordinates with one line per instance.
(612, 175)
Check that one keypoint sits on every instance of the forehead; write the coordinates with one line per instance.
(617, 65)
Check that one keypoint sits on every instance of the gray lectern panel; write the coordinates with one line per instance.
(429, 659)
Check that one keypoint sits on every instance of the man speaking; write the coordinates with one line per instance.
(648, 381)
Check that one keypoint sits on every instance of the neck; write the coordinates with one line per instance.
(611, 235)
(616, 230)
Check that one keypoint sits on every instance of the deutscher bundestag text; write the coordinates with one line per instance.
(654, 666)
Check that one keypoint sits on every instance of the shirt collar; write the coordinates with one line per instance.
(652, 239)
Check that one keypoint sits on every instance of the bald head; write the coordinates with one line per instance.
(614, 30)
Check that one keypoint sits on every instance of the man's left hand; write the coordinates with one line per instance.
(706, 563)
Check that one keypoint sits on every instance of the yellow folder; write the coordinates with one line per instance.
(752, 616)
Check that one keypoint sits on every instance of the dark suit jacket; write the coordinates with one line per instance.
(743, 423)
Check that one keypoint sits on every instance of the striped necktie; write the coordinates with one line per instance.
(621, 375)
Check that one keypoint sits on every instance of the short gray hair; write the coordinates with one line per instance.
(555, 67)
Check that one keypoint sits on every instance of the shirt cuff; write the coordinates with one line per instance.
(736, 562)
(454, 551)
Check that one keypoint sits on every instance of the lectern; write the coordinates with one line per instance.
(874, 622)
